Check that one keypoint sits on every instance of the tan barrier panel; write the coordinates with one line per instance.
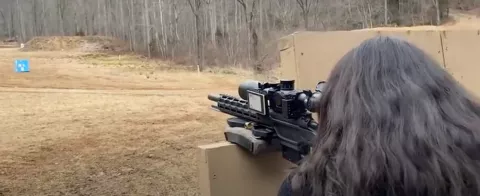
(308, 57)
(429, 41)
(462, 49)
(287, 58)
(315, 53)
(228, 170)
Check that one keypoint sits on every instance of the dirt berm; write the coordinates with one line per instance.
(76, 43)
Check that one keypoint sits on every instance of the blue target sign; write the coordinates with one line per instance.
(22, 65)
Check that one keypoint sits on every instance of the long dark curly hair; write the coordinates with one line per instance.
(392, 122)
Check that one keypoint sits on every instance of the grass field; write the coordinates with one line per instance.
(92, 124)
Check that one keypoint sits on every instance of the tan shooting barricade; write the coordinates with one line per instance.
(307, 57)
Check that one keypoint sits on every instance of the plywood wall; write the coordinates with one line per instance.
(310, 56)
(462, 51)
(228, 170)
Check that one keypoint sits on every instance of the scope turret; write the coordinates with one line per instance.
(287, 85)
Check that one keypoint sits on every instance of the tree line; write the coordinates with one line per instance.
(212, 32)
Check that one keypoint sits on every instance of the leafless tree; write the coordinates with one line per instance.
(196, 6)
(305, 6)
(211, 32)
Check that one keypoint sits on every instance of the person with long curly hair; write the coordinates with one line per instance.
(392, 122)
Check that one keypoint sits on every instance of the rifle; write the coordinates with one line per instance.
(271, 117)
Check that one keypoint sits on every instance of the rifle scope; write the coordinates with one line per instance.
(283, 89)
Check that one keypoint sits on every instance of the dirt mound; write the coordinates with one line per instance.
(451, 25)
(8, 42)
(458, 20)
(76, 43)
(423, 28)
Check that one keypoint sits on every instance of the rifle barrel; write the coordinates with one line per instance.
(215, 98)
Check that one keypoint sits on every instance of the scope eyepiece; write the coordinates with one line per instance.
(320, 86)
(312, 102)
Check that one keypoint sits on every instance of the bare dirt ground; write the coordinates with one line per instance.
(92, 124)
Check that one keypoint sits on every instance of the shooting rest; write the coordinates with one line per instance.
(226, 169)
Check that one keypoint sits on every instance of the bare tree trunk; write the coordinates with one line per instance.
(61, 11)
(22, 28)
(176, 15)
(105, 19)
(164, 34)
(249, 21)
(385, 11)
(122, 20)
(199, 37)
(35, 18)
(213, 22)
(12, 31)
(370, 18)
(437, 9)
(195, 5)
(147, 27)
(394, 9)
(305, 7)
(132, 26)
(4, 19)
(157, 37)
(44, 18)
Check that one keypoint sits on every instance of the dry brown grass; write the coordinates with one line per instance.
(89, 124)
